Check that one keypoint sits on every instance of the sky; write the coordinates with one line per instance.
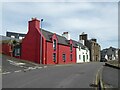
(97, 19)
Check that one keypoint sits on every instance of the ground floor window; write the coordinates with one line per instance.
(54, 57)
(87, 56)
(64, 57)
(79, 56)
(17, 52)
(71, 57)
(84, 58)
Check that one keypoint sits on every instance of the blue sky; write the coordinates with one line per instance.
(98, 19)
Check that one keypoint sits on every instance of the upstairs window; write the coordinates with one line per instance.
(12, 36)
(54, 44)
(64, 57)
(79, 48)
(71, 47)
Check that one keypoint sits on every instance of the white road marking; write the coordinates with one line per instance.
(18, 71)
(32, 68)
(45, 66)
(39, 67)
(15, 63)
(6, 72)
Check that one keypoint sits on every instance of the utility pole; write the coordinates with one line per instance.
(41, 42)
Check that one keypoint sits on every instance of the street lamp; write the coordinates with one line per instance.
(41, 42)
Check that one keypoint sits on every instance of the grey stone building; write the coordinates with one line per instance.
(92, 45)
(110, 53)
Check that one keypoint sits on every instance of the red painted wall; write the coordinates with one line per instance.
(66, 50)
(61, 49)
(31, 43)
(49, 55)
(30, 48)
(6, 49)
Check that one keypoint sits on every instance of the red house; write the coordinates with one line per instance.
(55, 49)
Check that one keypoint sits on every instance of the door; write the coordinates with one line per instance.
(84, 58)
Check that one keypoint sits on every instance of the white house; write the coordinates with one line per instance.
(83, 54)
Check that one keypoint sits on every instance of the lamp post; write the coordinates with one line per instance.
(41, 43)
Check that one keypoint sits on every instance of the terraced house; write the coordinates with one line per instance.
(44, 47)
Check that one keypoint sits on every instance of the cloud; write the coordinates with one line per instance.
(97, 19)
(59, 0)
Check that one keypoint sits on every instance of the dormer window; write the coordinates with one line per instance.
(71, 47)
(54, 44)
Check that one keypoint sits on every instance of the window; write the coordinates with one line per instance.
(71, 47)
(64, 57)
(87, 56)
(12, 36)
(79, 48)
(21, 37)
(17, 52)
(54, 44)
(71, 57)
(54, 57)
(79, 56)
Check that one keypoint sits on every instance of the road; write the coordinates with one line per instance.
(65, 76)
(10, 65)
(110, 76)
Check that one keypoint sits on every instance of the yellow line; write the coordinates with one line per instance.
(98, 77)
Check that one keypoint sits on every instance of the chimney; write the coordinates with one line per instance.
(34, 24)
(83, 36)
(93, 39)
(66, 35)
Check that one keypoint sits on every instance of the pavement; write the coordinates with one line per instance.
(107, 77)
(56, 76)
(110, 77)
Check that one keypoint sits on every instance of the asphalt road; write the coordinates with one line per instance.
(110, 76)
(11, 65)
(66, 76)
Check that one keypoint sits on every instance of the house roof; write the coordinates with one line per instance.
(61, 39)
(76, 43)
(6, 39)
(48, 35)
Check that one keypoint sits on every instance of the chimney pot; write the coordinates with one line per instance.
(66, 35)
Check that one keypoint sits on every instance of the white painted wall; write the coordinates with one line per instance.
(80, 53)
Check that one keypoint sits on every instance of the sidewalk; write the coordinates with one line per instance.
(107, 77)
(113, 64)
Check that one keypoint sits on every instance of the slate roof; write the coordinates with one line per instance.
(48, 35)
(61, 39)
(76, 43)
(6, 39)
